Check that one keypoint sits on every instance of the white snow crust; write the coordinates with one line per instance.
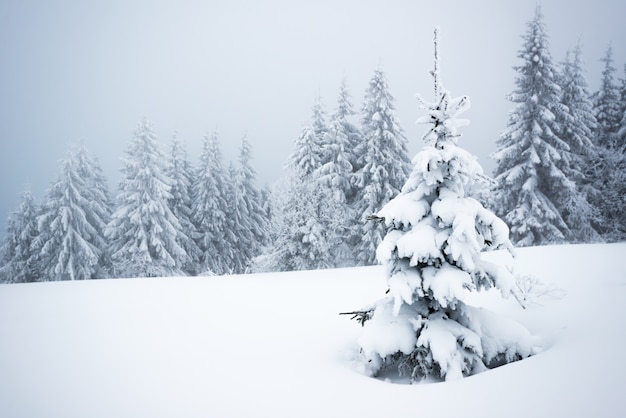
(273, 345)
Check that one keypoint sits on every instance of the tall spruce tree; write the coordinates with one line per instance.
(607, 105)
(383, 162)
(180, 171)
(432, 257)
(307, 154)
(143, 232)
(209, 209)
(253, 228)
(531, 159)
(19, 258)
(100, 209)
(69, 246)
(577, 131)
(609, 176)
(333, 177)
(298, 226)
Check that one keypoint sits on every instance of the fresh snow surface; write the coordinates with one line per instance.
(273, 345)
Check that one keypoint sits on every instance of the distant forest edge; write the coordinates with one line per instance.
(560, 178)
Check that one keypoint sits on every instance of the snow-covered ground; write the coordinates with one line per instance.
(273, 345)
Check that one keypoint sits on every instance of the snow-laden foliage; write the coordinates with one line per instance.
(73, 216)
(307, 154)
(17, 254)
(383, 165)
(607, 105)
(180, 172)
(609, 171)
(334, 178)
(247, 218)
(144, 233)
(577, 132)
(209, 209)
(302, 217)
(432, 254)
(299, 239)
(532, 157)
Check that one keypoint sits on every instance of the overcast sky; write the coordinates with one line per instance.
(73, 70)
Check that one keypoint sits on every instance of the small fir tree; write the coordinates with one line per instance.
(432, 258)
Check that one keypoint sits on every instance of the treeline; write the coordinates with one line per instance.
(560, 177)
(170, 218)
(561, 161)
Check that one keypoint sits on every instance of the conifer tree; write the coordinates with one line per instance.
(577, 132)
(209, 209)
(384, 165)
(298, 228)
(607, 105)
(333, 177)
(432, 257)
(69, 246)
(609, 176)
(143, 232)
(307, 154)
(100, 205)
(338, 150)
(19, 258)
(236, 223)
(180, 172)
(252, 229)
(531, 167)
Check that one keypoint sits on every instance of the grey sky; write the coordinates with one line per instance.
(73, 70)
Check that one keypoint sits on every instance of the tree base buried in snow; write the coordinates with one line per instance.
(442, 344)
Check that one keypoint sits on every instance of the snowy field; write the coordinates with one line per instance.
(273, 345)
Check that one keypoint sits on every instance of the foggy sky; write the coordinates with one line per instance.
(73, 70)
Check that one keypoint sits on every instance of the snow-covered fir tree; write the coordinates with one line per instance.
(577, 132)
(209, 209)
(532, 166)
(17, 253)
(143, 232)
(307, 154)
(180, 171)
(69, 246)
(338, 147)
(334, 178)
(252, 226)
(98, 213)
(607, 105)
(299, 237)
(383, 162)
(298, 227)
(432, 257)
(609, 171)
(340, 121)
(621, 134)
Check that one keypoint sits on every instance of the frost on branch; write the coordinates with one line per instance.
(432, 253)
